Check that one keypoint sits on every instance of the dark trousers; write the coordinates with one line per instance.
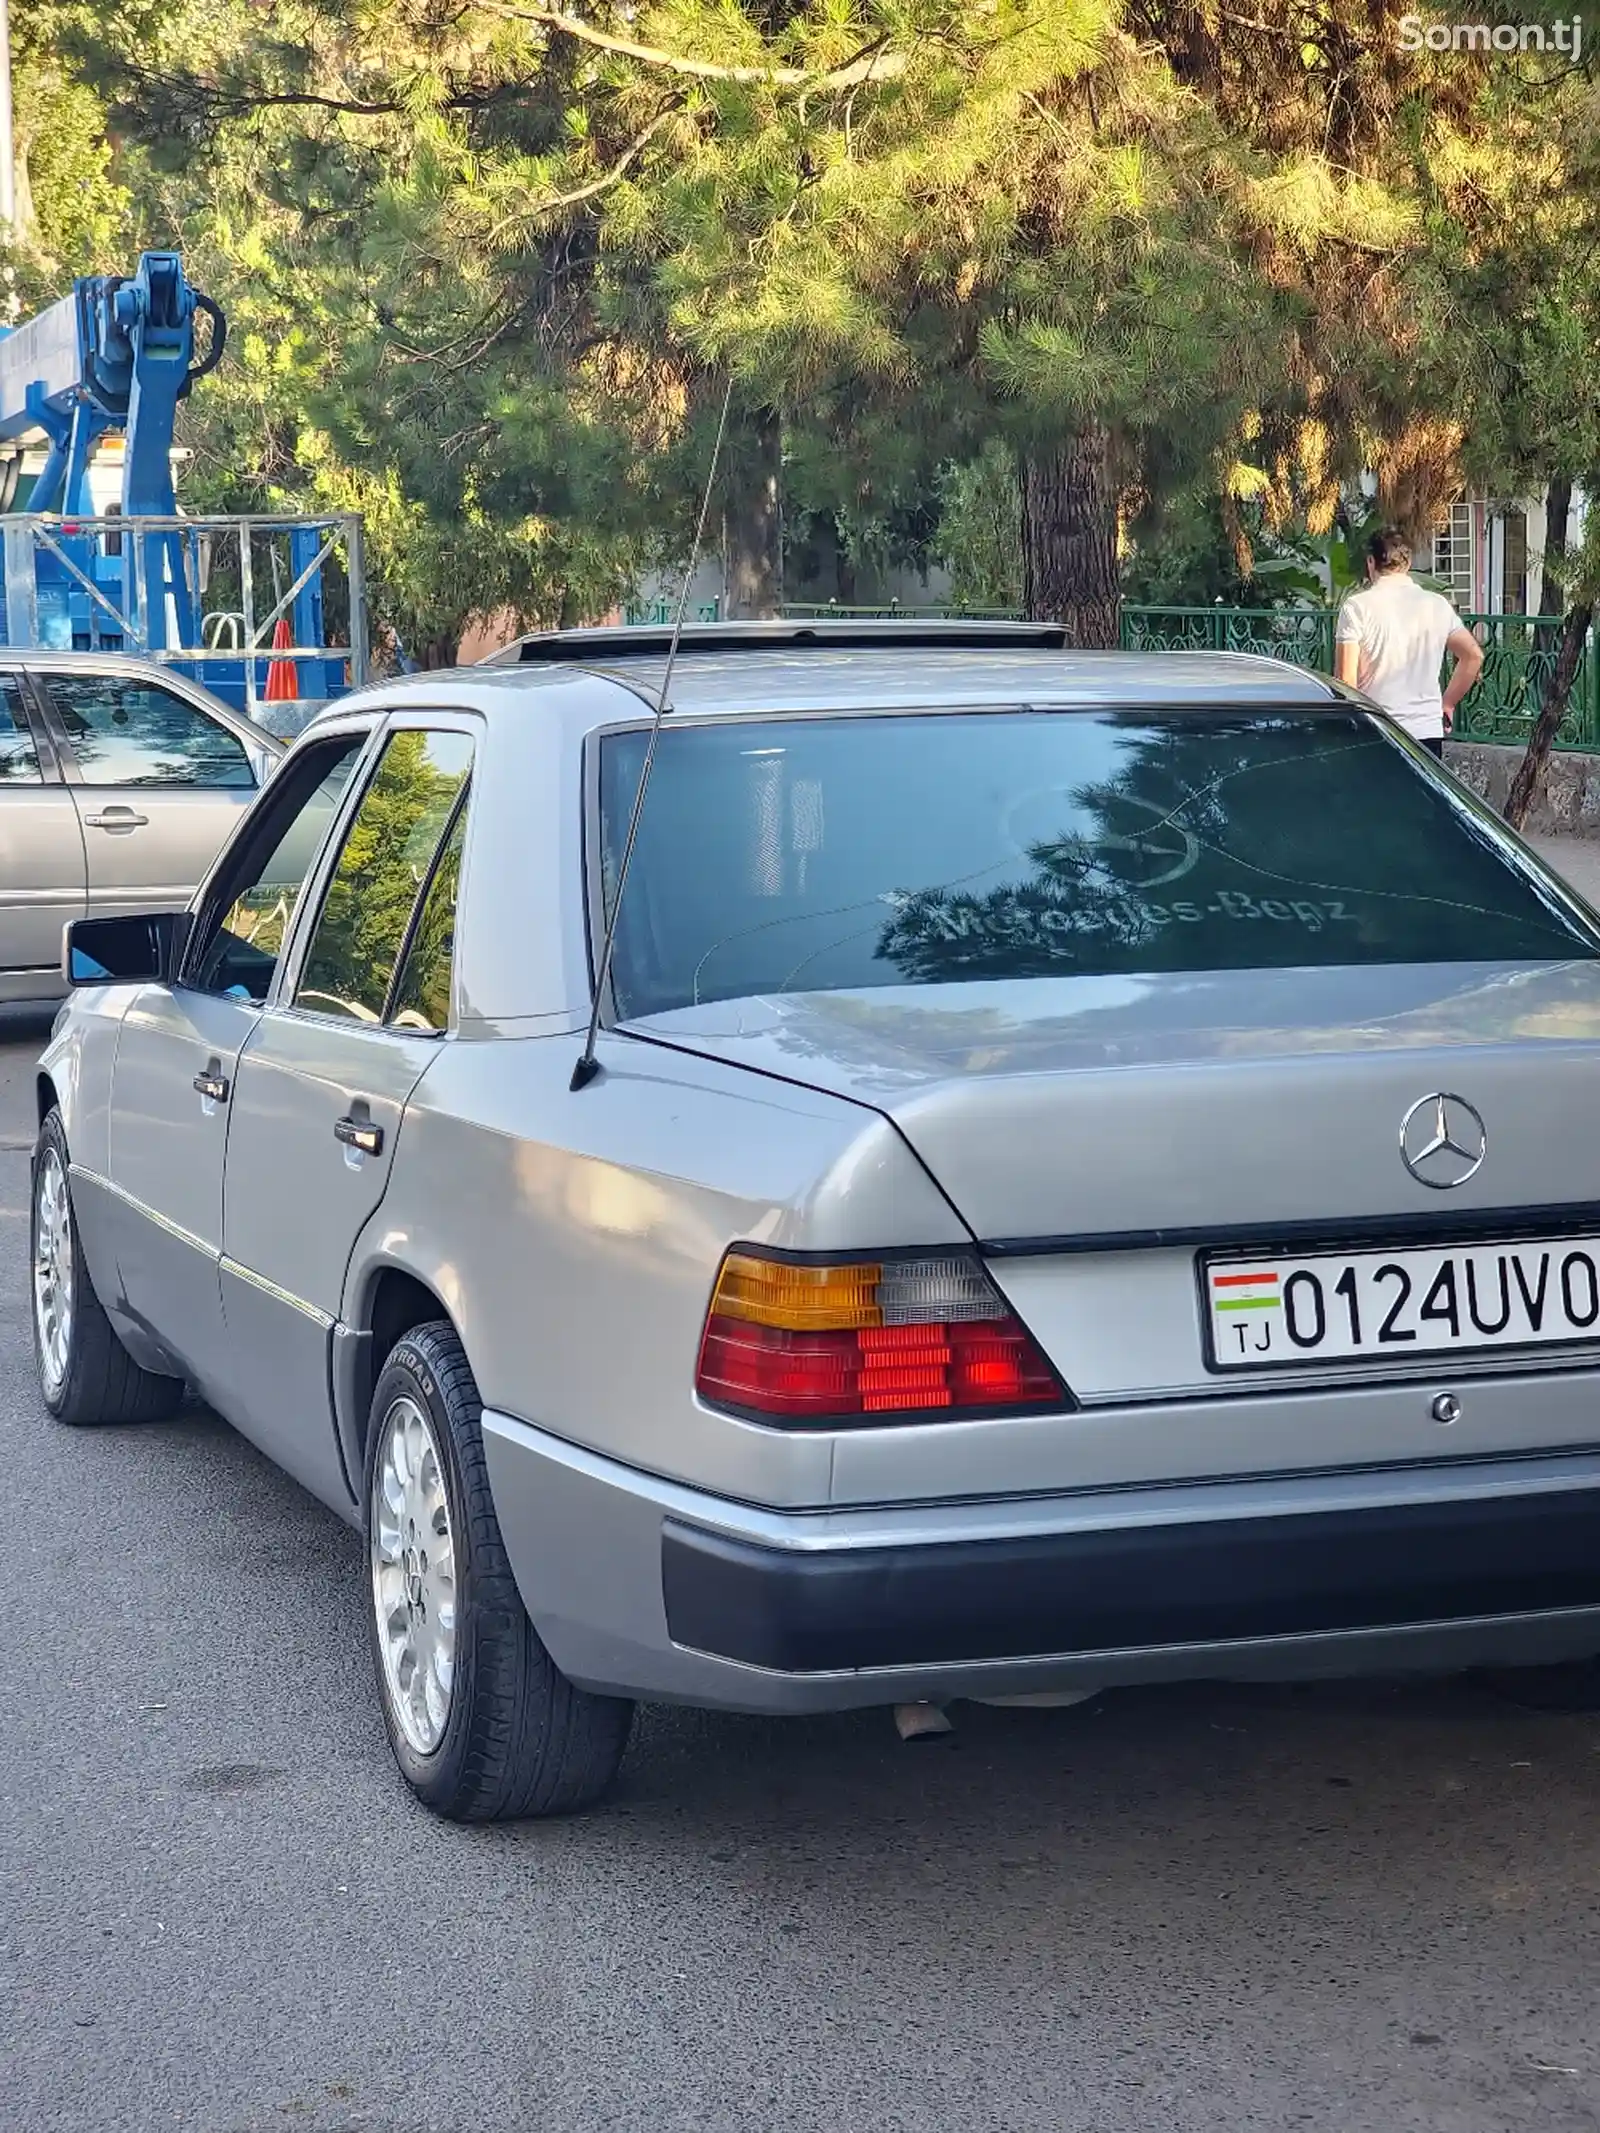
(1435, 746)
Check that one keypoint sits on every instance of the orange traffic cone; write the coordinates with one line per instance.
(283, 682)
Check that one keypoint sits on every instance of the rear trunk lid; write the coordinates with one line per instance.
(1101, 1137)
(1081, 1108)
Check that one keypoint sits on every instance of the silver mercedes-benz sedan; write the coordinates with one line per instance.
(119, 781)
(1092, 1177)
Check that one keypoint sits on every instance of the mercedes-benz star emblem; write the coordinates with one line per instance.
(1442, 1140)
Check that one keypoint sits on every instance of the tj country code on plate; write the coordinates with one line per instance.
(1392, 1304)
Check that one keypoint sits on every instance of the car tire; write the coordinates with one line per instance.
(484, 1725)
(85, 1374)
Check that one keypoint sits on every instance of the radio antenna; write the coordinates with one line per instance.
(588, 1065)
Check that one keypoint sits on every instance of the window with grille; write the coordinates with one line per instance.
(1452, 554)
(1514, 564)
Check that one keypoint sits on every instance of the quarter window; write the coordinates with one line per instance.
(276, 855)
(19, 760)
(387, 854)
(133, 733)
(422, 997)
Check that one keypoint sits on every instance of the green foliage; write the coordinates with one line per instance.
(980, 530)
(1181, 557)
(487, 268)
(72, 212)
(382, 865)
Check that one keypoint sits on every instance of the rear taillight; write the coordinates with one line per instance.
(888, 1338)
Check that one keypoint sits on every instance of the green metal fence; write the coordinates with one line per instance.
(1301, 635)
(1519, 652)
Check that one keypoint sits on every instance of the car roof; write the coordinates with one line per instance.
(826, 633)
(784, 667)
(894, 664)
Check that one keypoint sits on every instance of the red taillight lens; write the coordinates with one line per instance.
(898, 1337)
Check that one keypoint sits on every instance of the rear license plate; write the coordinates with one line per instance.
(1339, 1306)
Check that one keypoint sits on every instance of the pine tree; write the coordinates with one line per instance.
(495, 263)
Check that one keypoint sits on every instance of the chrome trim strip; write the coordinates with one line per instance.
(919, 1521)
(323, 1319)
(1493, 1225)
(278, 1295)
(150, 1214)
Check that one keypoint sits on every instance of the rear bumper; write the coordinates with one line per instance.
(1217, 1582)
(643, 1587)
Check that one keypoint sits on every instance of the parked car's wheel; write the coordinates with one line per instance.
(483, 1724)
(85, 1373)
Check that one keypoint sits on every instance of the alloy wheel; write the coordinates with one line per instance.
(414, 1574)
(52, 1268)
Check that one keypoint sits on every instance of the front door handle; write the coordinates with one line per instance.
(214, 1086)
(356, 1133)
(117, 818)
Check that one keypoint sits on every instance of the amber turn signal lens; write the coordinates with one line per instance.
(802, 1299)
(901, 1338)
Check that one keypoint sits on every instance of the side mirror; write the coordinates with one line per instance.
(125, 951)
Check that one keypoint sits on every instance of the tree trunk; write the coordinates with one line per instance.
(1069, 537)
(753, 527)
(1557, 513)
(1529, 779)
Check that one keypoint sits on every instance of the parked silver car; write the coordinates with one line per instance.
(1092, 1178)
(119, 783)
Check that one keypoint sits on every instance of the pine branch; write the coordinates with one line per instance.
(592, 190)
(218, 101)
(871, 63)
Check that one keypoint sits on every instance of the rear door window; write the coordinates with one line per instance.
(134, 733)
(811, 854)
(386, 857)
(422, 996)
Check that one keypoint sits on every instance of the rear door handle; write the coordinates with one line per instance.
(356, 1133)
(117, 818)
(213, 1085)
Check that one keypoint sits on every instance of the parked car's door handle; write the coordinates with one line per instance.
(356, 1133)
(213, 1085)
(117, 818)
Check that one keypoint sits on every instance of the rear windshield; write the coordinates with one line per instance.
(806, 855)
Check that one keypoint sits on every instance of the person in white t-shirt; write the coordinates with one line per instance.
(1391, 642)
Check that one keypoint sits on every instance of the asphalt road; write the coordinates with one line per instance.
(1359, 1908)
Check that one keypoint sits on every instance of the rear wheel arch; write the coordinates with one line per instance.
(394, 1301)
